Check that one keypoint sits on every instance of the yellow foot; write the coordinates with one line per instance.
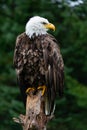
(30, 89)
(43, 88)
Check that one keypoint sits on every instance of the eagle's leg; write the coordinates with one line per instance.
(29, 90)
(43, 88)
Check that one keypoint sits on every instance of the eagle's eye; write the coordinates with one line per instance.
(44, 23)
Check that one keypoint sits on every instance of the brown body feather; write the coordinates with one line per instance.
(38, 62)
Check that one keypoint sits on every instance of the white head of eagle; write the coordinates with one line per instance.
(38, 26)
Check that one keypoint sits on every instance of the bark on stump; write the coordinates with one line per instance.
(35, 118)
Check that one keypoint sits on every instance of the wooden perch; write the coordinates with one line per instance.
(35, 118)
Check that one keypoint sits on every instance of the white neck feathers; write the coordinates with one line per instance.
(34, 30)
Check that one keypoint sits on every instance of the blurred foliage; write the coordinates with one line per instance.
(71, 32)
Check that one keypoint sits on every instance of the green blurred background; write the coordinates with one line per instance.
(70, 19)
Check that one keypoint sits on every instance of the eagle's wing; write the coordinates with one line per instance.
(19, 54)
(20, 60)
(54, 72)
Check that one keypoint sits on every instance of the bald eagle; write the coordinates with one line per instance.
(38, 62)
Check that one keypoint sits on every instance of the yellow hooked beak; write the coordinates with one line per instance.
(50, 26)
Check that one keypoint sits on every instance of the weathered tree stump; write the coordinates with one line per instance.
(35, 118)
